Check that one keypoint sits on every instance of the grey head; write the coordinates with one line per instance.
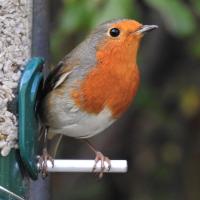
(86, 50)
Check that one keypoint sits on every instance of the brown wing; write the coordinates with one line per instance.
(53, 78)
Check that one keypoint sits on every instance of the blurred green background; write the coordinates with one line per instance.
(160, 134)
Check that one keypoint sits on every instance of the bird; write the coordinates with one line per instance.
(94, 84)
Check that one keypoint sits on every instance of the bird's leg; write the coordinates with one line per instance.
(45, 157)
(99, 157)
(41, 133)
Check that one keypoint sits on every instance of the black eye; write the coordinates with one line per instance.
(114, 32)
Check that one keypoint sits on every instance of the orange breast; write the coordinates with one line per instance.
(112, 83)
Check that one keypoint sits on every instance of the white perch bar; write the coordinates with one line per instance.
(117, 166)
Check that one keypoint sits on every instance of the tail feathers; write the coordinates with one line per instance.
(52, 143)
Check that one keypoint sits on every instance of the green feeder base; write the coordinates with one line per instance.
(30, 85)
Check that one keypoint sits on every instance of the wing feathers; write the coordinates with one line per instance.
(61, 79)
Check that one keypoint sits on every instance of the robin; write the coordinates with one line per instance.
(94, 84)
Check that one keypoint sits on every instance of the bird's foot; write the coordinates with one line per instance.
(43, 162)
(100, 157)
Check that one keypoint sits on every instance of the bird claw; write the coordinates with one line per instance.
(100, 157)
(43, 162)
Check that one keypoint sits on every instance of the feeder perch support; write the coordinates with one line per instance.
(117, 166)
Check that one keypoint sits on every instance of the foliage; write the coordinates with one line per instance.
(177, 17)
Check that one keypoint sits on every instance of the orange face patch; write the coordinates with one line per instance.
(114, 80)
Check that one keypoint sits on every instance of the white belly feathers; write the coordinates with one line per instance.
(76, 123)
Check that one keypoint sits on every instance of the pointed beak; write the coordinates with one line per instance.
(147, 28)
